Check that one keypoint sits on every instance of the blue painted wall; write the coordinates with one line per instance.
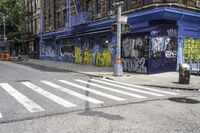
(187, 22)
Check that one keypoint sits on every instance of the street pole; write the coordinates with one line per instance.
(41, 27)
(118, 66)
(4, 27)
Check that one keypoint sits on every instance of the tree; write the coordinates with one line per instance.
(14, 14)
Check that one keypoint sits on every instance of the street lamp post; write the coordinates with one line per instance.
(4, 28)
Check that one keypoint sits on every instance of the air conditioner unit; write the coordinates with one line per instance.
(198, 3)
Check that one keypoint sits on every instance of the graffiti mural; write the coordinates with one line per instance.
(47, 50)
(133, 54)
(78, 57)
(67, 53)
(103, 59)
(134, 65)
(192, 50)
(87, 58)
(163, 50)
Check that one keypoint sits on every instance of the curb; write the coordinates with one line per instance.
(103, 76)
(173, 88)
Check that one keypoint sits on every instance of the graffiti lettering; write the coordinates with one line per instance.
(172, 32)
(78, 57)
(68, 57)
(134, 65)
(127, 47)
(103, 59)
(170, 54)
(87, 58)
(154, 33)
(192, 50)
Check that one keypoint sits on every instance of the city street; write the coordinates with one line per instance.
(37, 99)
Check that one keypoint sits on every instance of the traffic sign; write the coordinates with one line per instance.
(118, 3)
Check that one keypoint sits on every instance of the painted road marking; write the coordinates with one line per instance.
(1, 116)
(26, 102)
(151, 89)
(127, 88)
(86, 98)
(49, 95)
(111, 89)
(92, 91)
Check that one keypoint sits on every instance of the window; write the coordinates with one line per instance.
(35, 4)
(64, 16)
(58, 19)
(98, 6)
(104, 42)
(35, 25)
(28, 29)
(91, 43)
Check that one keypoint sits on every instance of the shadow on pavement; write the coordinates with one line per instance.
(184, 100)
(43, 68)
(102, 115)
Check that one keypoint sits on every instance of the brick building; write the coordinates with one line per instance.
(32, 11)
(164, 33)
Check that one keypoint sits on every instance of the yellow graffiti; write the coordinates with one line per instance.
(78, 57)
(103, 59)
(192, 50)
(87, 58)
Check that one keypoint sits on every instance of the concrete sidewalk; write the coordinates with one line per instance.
(166, 80)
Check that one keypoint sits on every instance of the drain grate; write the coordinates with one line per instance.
(184, 100)
(22, 80)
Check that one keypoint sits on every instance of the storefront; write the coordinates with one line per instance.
(31, 47)
(160, 39)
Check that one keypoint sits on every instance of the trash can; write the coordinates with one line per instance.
(184, 74)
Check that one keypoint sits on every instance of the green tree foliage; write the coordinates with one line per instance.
(14, 13)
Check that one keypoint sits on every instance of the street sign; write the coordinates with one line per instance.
(118, 3)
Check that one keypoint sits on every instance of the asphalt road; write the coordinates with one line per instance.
(37, 99)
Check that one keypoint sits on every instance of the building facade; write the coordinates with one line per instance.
(164, 33)
(32, 11)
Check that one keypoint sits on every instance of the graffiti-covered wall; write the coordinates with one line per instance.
(99, 51)
(163, 49)
(134, 53)
(192, 50)
(151, 51)
(48, 50)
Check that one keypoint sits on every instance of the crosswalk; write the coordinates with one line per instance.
(101, 89)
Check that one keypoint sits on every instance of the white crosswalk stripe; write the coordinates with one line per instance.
(105, 86)
(127, 88)
(86, 98)
(111, 89)
(137, 86)
(26, 102)
(92, 91)
(49, 95)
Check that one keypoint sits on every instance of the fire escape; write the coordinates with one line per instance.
(81, 15)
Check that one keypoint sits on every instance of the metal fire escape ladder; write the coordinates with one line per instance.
(69, 19)
(80, 16)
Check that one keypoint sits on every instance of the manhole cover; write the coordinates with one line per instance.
(184, 100)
